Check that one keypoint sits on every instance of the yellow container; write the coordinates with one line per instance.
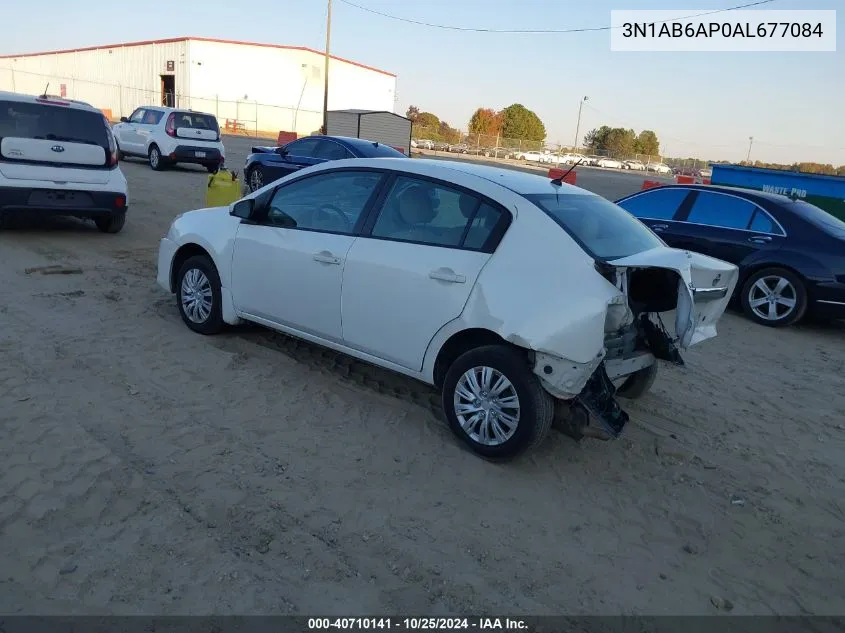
(223, 189)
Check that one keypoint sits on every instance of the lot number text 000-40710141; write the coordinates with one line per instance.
(727, 31)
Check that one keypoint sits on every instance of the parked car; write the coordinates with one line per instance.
(534, 156)
(423, 144)
(571, 159)
(440, 146)
(59, 156)
(438, 270)
(633, 164)
(593, 160)
(659, 168)
(166, 136)
(790, 254)
(609, 162)
(459, 148)
(266, 164)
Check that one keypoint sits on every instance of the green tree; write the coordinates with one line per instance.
(412, 113)
(647, 143)
(427, 119)
(518, 122)
(596, 139)
(448, 133)
(485, 121)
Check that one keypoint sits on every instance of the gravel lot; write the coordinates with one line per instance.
(150, 470)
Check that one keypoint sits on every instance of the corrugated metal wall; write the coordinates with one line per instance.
(343, 124)
(387, 129)
(118, 79)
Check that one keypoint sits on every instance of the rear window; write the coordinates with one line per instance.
(195, 121)
(52, 123)
(604, 230)
(377, 150)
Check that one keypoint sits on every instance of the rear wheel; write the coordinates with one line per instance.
(495, 404)
(155, 158)
(774, 297)
(111, 223)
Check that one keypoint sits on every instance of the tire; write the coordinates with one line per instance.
(155, 158)
(255, 179)
(639, 383)
(535, 411)
(111, 223)
(212, 168)
(197, 269)
(772, 279)
(120, 155)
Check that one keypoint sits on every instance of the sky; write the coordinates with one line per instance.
(705, 105)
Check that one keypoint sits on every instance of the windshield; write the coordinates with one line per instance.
(52, 123)
(604, 230)
(818, 217)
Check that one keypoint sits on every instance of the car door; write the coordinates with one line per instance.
(287, 266)
(725, 226)
(127, 133)
(145, 128)
(297, 154)
(657, 208)
(412, 270)
(328, 149)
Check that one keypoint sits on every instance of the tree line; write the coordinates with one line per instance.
(514, 122)
(617, 141)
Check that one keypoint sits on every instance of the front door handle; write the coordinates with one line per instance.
(760, 239)
(447, 274)
(325, 257)
(659, 227)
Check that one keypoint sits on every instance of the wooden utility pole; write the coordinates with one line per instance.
(326, 72)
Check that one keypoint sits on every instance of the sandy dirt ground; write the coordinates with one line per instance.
(147, 469)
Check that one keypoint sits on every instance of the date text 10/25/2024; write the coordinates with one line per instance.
(417, 624)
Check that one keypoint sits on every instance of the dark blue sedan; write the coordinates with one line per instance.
(791, 254)
(266, 164)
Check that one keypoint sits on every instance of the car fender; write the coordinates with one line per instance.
(213, 230)
(784, 257)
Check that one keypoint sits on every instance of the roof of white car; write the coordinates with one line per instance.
(168, 110)
(517, 181)
(46, 100)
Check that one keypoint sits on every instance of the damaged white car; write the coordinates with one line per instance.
(524, 300)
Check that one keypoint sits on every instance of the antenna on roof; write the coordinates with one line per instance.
(46, 88)
(559, 181)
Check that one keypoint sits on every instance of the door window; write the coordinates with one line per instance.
(303, 147)
(152, 117)
(137, 116)
(428, 213)
(660, 204)
(329, 150)
(331, 202)
(715, 209)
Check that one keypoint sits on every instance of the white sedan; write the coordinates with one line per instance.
(520, 298)
(659, 168)
(609, 162)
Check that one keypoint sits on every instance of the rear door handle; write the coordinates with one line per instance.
(447, 274)
(760, 239)
(325, 257)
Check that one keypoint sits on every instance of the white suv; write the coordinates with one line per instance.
(166, 136)
(58, 156)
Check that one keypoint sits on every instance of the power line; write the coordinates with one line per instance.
(449, 27)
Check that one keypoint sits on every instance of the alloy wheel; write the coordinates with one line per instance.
(772, 298)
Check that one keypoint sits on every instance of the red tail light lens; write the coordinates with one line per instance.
(170, 126)
(119, 202)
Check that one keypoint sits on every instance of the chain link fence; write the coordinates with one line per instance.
(249, 118)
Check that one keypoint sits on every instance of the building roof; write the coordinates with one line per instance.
(359, 111)
(197, 39)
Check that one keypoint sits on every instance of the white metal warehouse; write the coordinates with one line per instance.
(248, 86)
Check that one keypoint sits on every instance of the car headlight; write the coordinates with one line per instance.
(171, 232)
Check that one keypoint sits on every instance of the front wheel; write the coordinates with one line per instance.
(198, 295)
(639, 383)
(495, 404)
(775, 297)
(256, 178)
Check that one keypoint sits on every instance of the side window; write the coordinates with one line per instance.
(715, 209)
(152, 117)
(330, 202)
(660, 204)
(425, 212)
(137, 116)
(763, 223)
(303, 147)
(329, 150)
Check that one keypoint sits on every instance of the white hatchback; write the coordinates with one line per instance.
(166, 136)
(522, 299)
(58, 156)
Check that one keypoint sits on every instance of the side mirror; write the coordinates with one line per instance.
(243, 209)
(124, 119)
(281, 151)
